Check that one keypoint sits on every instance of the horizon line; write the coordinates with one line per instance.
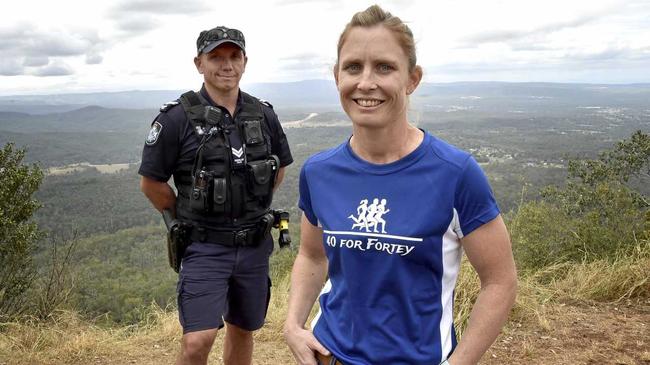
(246, 84)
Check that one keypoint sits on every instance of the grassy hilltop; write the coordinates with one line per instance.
(569, 165)
(596, 312)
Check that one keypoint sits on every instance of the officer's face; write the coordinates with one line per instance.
(373, 77)
(223, 67)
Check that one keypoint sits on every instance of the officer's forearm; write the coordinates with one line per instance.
(160, 194)
(278, 179)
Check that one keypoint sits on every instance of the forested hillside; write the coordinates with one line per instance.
(569, 167)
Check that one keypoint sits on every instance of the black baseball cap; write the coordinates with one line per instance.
(213, 38)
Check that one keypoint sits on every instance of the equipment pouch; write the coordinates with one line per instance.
(220, 195)
(176, 245)
(177, 239)
(261, 176)
(253, 132)
(264, 227)
(200, 195)
(172, 252)
(238, 205)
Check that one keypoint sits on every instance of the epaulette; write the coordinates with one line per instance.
(265, 103)
(168, 105)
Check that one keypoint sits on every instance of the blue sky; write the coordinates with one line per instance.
(80, 46)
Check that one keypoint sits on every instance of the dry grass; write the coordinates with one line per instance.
(69, 339)
(626, 277)
(609, 281)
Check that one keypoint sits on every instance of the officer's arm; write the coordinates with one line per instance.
(490, 253)
(307, 278)
(278, 179)
(159, 193)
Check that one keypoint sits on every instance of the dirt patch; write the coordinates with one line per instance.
(578, 334)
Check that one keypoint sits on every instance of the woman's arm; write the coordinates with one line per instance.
(307, 278)
(490, 253)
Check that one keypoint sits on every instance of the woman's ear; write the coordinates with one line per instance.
(414, 80)
(336, 74)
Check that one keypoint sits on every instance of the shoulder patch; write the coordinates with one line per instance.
(154, 133)
(168, 105)
(265, 102)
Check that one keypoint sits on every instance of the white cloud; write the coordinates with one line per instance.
(94, 58)
(167, 7)
(10, 67)
(57, 68)
(148, 44)
(31, 45)
(137, 23)
(36, 61)
(136, 17)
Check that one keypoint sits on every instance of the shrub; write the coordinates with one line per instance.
(596, 215)
(17, 233)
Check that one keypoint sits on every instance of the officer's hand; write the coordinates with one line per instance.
(303, 344)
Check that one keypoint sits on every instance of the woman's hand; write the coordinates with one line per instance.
(303, 345)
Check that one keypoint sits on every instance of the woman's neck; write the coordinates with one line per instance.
(385, 145)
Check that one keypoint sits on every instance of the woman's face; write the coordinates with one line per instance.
(373, 77)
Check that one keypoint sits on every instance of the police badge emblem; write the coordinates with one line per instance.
(152, 137)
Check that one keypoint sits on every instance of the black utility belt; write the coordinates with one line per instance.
(233, 238)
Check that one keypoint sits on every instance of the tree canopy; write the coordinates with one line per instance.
(602, 211)
(18, 233)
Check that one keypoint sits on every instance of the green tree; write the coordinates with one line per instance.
(597, 214)
(18, 233)
(591, 183)
(628, 159)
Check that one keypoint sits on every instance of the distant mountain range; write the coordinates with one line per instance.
(323, 94)
(304, 93)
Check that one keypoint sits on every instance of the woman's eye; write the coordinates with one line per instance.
(385, 67)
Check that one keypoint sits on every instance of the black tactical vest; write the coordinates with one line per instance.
(218, 191)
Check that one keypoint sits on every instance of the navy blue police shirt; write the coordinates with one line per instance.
(172, 142)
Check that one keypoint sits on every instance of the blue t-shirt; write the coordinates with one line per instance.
(391, 234)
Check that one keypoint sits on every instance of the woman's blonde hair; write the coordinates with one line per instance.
(375, 15)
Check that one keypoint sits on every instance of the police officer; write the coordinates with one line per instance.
(227, 152)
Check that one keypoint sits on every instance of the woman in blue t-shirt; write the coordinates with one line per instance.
(391, 265)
